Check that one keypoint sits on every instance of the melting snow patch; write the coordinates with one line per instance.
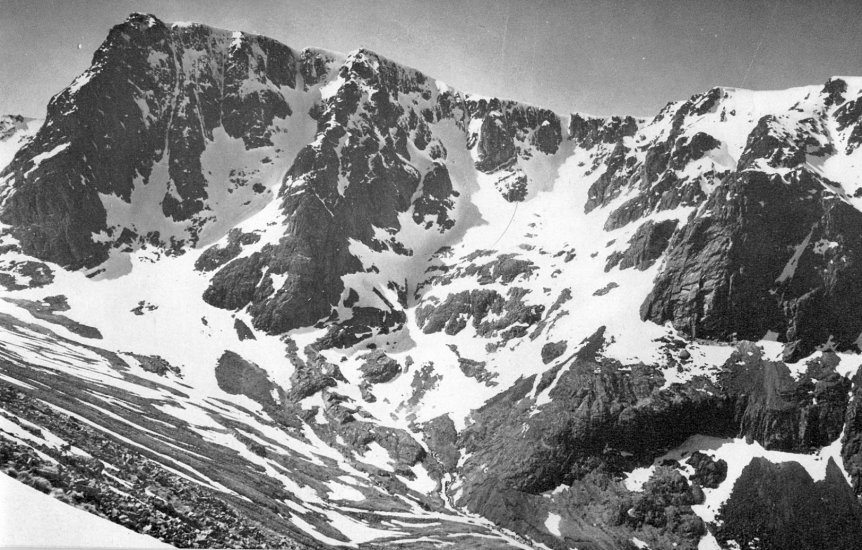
(79, 82)
(377, 456)
(423, 482)
(355, 530)
(790, 268)
(41, 157)
(708, 542)
(339, 491)
(635, 479)
(310, 530)
(552, 524)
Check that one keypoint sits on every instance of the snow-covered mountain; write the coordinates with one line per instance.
(260, 296)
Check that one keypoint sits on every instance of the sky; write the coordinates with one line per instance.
(590, 56)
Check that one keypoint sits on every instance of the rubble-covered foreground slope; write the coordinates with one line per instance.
(26, 512)
(258, 296)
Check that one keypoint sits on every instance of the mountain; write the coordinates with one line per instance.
(259, 296)
(15, 130)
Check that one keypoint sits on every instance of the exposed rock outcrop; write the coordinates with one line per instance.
(216, 256)
(440, 436)
(603, 416)
(590, 131)
(645, 247)
(18, 275)
(379, 368)
(708, 472)
(86, 152)
(509, 313)
(237, 376)
(765, 255)
(495, 148)
(851, 443)
(780, 506)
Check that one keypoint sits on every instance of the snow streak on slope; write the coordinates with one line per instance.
(189, 425)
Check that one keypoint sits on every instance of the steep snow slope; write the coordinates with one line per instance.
(426, 318)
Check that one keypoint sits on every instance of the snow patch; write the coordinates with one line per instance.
(42, 157)
(552, 524)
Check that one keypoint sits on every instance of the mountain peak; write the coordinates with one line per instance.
(138, 19)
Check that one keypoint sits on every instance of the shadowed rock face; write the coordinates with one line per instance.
(849, 116)
(169, 89)
(753, 264)
(496, 147)
(851, 449)
(708, 473)
(510, 132)
(780, 506)
(216, 256)
(588, 132)
(645, 247)
(774, 247)
(603, 416)
(435, 200)
(780, 412)
(321, 220)
(593, 406)
(689, 149)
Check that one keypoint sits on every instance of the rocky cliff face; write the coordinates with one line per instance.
(771, 247)
(378, 307)
(351, 184)
(15, 131)
(589, 414)
(763, 253)
(786, 508)
(378, 162)
(121, 157)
